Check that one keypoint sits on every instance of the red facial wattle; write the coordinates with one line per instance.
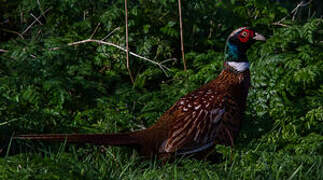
(245, 35)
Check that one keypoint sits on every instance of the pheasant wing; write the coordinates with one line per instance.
(195, 125)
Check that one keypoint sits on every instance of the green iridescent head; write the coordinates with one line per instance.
(239, 41)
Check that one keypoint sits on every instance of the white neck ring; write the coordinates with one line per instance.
(239, 66)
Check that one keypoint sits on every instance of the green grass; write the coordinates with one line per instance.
(91, 162)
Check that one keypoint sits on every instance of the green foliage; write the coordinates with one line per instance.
(48, 86)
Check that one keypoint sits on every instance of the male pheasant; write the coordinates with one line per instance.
(196, 122)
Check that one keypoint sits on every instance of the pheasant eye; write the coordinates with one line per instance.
(244, 36)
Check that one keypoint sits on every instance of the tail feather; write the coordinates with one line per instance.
(99, 139)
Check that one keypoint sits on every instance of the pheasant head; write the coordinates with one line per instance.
(238, 42)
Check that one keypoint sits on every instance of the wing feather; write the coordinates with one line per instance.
(199, 115)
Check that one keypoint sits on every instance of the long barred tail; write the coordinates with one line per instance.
(99, 139)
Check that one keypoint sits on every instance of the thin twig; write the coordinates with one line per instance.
(14, 32)
(127, 42)
(280, 24)
(293, 13)
(160, 65)
(3, 50)
(21, 17)
(167, 60)
(118, 28)
(54, 48)
(41, 9)
(34, 21)
(301, 4)
(95, 30)
(181, 32)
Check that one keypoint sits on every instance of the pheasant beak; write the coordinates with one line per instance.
(259, 37)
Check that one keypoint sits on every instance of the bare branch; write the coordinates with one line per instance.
(41, 9)
(34, 21)
(160, 65)
(95, 30)
(280, 24)
(3, 50)
(181, 32)
(301, 4)
(127, 42)
(167, 60)
(118, 28)
(293, 13)
(14, 32)
(7, 122)
(21, 17)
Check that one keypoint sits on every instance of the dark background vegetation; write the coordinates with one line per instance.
(47, 86)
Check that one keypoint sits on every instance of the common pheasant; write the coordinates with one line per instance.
(210, 115)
